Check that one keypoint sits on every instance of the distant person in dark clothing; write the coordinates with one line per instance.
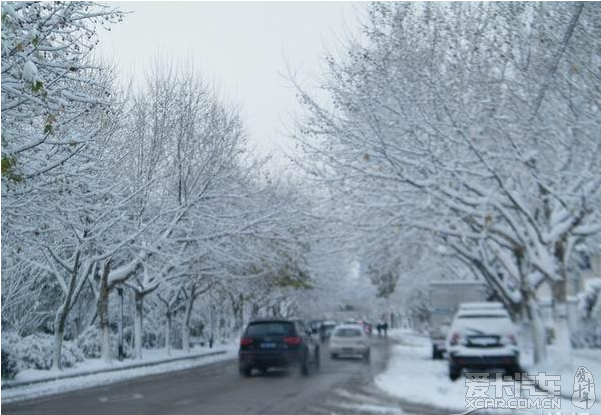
(322, 332)
(385, 328)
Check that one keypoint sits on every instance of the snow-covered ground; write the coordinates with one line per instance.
(54, 385)
(413, 376)
(567, 368)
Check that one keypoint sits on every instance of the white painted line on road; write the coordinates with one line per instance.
(120, 398)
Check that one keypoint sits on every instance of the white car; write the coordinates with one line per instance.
(349, 340)
(483, 339)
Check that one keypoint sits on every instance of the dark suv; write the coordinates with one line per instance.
(277, 343)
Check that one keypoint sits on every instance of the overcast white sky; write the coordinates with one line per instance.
(242, 46)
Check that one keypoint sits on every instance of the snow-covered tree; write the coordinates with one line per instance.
(48, 82)
(475, 125)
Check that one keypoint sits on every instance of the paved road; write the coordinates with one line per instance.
(340, 387)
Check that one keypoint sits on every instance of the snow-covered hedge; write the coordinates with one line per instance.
(89, 344)
(34, 352)
(589, 338)
(9, 366)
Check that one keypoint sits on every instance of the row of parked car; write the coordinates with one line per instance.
(481, 337)
(286, 343)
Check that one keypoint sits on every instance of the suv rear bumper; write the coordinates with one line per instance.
(349, 350)
(269, 359)
(484, 362)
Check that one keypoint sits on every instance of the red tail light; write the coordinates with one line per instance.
(455, 339)
(245, 341)
(292, 340)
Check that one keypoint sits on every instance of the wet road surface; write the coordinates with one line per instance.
(339, 387)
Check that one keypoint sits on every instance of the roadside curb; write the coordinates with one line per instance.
(14, 385)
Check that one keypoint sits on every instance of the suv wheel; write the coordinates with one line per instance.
(437, 354)
(454, 372)
(245, 371)
(512, 371)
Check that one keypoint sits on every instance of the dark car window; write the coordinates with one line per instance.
(270, 328)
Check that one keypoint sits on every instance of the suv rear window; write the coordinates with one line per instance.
(348, 333)
(270, 328)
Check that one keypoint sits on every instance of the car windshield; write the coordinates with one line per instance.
(270, 328)
(348, 332)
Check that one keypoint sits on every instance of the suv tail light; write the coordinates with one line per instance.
(455, 339)
(292, 340)
(245, 341)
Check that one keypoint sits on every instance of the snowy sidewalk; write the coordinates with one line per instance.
(31, 384)
(414, 377)
(590, 359)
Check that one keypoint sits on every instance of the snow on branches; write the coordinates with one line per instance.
(475, 125)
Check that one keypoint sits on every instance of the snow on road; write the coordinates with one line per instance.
(413, 376)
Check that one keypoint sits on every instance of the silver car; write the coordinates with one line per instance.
(349, 340)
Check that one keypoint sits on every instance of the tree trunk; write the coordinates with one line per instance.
(139, 300)
(103, 313)
(537, 330)
(255, 310)
(59, 332)
(168, 332)
(186, 322)
(61, 316)
(563, 345)
(238, 312)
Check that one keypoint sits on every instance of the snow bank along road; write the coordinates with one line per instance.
(219, 389)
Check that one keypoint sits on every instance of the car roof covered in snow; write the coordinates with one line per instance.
(491, 312)
(481, 306)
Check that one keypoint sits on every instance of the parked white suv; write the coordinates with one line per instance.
(349, 340)
(482, 338)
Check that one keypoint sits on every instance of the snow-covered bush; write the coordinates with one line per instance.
(35, 351)
(89, 343)
(9, 366)
(589, 333)
(152, 340)
(588, 338)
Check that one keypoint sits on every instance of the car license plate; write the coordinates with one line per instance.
(483, 341)
(267, 345)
